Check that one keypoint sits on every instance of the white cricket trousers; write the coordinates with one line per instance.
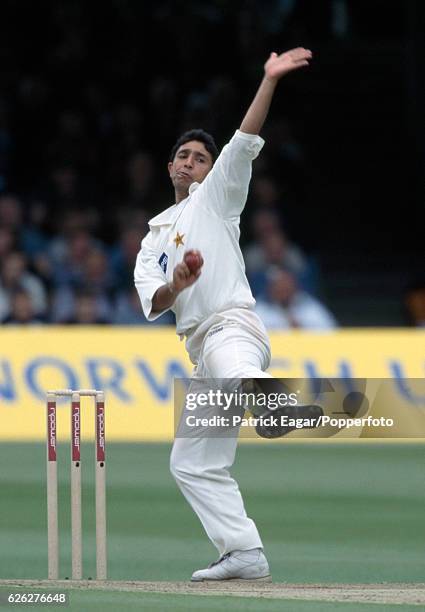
(200, 465)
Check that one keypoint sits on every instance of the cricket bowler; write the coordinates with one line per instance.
(191, 262)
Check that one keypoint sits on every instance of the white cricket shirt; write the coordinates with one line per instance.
(207, 220)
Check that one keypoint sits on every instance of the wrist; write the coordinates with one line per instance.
(172, 289)
(270, 80)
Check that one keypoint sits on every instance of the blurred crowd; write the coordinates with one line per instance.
(87, 121)
(85, 134)
(73, 276)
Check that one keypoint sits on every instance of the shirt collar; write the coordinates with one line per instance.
(166, 217)
(193, 187)
(169, 216)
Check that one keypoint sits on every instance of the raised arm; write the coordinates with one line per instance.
(274, 69)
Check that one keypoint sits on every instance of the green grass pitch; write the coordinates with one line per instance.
(327, 513)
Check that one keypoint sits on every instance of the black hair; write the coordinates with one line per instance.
(200, 136)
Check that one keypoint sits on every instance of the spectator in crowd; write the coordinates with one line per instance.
(263, 223)
(28, 238)
(7, 242)
(86, 310)
(125, 217)
(48, 262)
(14, 276)
(94, 276)
(124, 255)
(284, 305)
(273, 248)
(22, 310)
(97, 273)
(68, 255)
(414, 304)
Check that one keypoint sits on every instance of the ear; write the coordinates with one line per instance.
(170, 165)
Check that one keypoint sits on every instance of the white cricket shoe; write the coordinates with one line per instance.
(237, 565)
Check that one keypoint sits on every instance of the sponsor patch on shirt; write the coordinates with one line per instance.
(163, 262)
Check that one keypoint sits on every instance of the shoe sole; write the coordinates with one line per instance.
(263, 579)
(311, 412)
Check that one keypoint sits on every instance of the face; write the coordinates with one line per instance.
(22, 307)
(12, 268)
(282, 288)
(274, 246)
(191, 163)
(86, 310)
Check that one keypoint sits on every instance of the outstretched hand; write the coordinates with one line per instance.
(279, 65)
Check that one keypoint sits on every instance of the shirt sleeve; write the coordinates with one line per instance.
(148, 277)
(225, 189)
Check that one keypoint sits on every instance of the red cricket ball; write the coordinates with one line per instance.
(193, 261)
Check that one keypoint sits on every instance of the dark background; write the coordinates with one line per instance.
(355, 197)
